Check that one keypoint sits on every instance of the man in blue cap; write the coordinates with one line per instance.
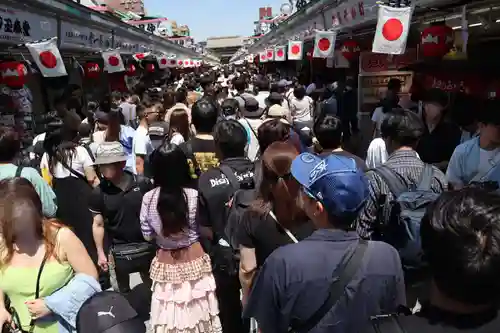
(332, 281)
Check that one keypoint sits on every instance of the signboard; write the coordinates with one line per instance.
(73, 35)
(376, 62)
(373, 87)
(126, 45)
(351, 13)
(158, 27)
(17, 26)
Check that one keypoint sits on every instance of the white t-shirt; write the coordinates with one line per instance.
(378, 118)
(251, 126)
(39, 138)
(80, 160)
(301, 109)
(177, 139)
(141, 144)
(261, 98)
(128, 111)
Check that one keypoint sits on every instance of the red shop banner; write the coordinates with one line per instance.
(469, 84)
(376, 62)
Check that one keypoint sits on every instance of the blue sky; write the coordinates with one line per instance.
(212, 18)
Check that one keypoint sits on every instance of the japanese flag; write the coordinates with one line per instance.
(270, 54)
(180, 63)
(198, 63)
(262, 57)
(279, 53)
(172, 63)
(47, 57)
(113, 62)
(187, 63)
(140, 56)
(393, 26)
(162, 62)
(294, 50)
(324, 44)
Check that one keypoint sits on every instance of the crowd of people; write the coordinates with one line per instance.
(239, 200)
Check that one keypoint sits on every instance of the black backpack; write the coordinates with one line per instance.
(226, 249)
(401, 228)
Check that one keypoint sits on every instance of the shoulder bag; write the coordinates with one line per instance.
(7, 327)
(343, 274)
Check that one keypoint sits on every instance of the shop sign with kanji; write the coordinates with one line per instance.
(18, 26)
(351, 13)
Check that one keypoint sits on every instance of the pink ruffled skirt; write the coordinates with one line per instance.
(184, 298)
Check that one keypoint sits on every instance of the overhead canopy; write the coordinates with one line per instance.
(80, 29)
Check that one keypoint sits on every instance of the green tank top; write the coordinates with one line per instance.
(19, 284)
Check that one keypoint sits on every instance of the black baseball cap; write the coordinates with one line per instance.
(108, 312)
(157, 132)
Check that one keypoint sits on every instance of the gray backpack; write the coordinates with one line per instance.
(401, 228)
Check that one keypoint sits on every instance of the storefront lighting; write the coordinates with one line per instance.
(470, 25)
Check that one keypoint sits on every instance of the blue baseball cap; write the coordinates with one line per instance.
(334, 180)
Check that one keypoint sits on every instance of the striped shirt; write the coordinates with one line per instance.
(151, 224)
(407, 164)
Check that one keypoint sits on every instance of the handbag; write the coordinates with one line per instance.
(7, 327)
(133, 251)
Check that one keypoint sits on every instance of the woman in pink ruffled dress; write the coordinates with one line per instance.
(183, 285)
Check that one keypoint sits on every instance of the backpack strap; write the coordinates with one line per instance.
(229, 173)
(425, 182)
(393, 180)
(190, 152)
(19, 170)
(87, 148)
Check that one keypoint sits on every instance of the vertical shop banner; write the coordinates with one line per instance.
(270, 54)
(262, 56)
(113, 62)
(295, 50)
(279, 53)
(393, 26)
(47, 57)
(324, 44)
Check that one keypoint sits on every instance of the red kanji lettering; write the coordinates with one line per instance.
(353, 12)
(361, 6)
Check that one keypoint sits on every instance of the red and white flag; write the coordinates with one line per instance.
(198, 63)
(295, 50)
(393, 26)
(187, 63)
(324, 44)
(113, 62)
(172, 63)
(140, 56)
(262, 57)
(279, 53)
(270, 54)
(162, 62)
(180, 63)
(48, 58)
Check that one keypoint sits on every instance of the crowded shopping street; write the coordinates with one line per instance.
(325, 166)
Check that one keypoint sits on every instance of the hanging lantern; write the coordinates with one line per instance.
(150, 68)
(350, 50)
(436, 40)
(131, 70)
(92, 70)
(13, 74)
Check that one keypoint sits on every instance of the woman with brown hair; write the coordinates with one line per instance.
(30, 244)
(274, 219)
(179, 127)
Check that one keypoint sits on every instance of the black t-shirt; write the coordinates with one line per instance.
(433, 320)
(214, 191)
(120, 209)
(438, 145)
(265, 235)
(204, 152)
